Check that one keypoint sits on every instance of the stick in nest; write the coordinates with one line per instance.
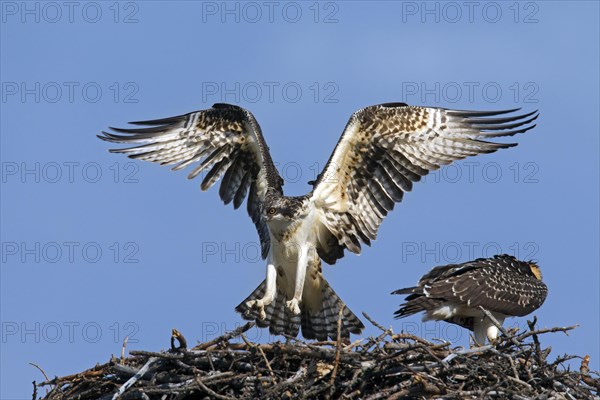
(498, 325)
(225, 337)
(123, 350)
(134, 378)
(261, 351)
(339, 345)
(211, 392)
(371, 320)
(41, 370)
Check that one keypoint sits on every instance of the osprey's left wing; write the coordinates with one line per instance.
(383, 150)
(224, 140)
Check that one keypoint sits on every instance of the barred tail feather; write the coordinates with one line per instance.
(320, 325)
(323, 324)
(278, 320)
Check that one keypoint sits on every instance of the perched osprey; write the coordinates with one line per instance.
(454, 293)
(383, 150)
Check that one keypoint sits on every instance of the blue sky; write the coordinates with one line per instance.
(96, 247)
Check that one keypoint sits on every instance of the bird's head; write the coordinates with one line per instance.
(535, 270)
(278, 213)
(281, 209)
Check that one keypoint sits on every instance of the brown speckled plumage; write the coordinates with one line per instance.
(385, 149)
(501, 284)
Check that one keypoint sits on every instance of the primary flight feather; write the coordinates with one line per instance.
(382, 151)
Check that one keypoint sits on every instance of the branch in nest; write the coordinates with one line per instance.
(226, 337)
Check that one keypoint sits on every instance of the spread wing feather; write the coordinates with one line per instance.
(383, 150)
(224, 141)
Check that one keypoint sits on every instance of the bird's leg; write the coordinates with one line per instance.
(479, 331)
(269, 296)
(492, 330)
(485, 328)
(294, 304)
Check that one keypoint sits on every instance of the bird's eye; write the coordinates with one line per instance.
(271, 211)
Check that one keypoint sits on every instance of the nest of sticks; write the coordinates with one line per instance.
(389, 366)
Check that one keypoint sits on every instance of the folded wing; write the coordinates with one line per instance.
(497, 284)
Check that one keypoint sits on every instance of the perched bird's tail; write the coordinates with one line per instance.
(318, 316)
(415, 302)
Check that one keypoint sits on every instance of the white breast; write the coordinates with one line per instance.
(299, 239)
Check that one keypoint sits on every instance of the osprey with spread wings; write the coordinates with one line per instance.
(383, 150)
